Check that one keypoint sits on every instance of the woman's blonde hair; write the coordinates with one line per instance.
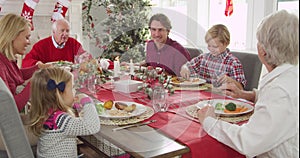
(11, 25)
(44, 100)
(278, 34)
(218, 31)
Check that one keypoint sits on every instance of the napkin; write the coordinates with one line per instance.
(104, 64)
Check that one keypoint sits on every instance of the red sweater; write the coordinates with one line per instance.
(45, 51)
(13, 77)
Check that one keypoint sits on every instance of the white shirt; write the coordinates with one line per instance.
(273, 129)
(56, 45)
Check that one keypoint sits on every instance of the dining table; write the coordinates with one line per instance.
(174, 133)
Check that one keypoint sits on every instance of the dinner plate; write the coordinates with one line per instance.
(179, 81)
(61, 63)
(223, 102)
(114, 113)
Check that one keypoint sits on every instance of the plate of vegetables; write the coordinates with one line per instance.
(227, 107)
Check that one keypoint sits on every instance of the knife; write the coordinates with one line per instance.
(134, 125)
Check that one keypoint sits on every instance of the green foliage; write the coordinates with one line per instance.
(125, 28)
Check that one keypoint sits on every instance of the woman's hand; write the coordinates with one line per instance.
(224, 79)
(41, 65)
(185, 72)
(231, 89)
(205, 112)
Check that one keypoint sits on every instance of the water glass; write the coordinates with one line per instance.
(159, 99)
(92, 84)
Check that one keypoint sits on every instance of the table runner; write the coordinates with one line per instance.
(180, 128)
(191, 134)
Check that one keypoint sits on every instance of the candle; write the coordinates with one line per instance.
(131, 67)
(116, 67)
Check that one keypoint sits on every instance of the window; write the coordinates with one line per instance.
(191, 19)
(290, 5)
(236, 23)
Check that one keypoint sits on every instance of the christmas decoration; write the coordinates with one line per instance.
(1, 4)
(153, 77)
(28, 10)
(229, 8)
(60, 9)
(125, 29)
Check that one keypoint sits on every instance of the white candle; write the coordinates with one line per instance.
(116, 68)
(131, 67)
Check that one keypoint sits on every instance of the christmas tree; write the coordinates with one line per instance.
(125, 30)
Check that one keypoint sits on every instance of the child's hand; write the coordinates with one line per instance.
(185, 72)
(80, 100)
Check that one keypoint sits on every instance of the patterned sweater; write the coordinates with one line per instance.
(59, 138)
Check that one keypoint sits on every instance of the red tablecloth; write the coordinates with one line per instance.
(179, 128)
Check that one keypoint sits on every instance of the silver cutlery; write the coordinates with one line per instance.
(134, 125)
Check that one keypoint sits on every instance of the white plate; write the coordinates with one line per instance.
(213, 102)
(191, 82)
(140, 109)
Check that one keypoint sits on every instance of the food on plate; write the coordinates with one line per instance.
(99, 107)
(181, 79)
(108, 104)
(120, 105)
(125, 107)
(177, 79)
(219, 106)
(116, 112)
(230, 106)
(130, 108)
(237, 110)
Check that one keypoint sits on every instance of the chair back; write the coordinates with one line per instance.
(194, 52)
(252, 68)
(11, 127)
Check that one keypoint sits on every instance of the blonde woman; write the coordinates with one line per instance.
(52, 116)
(219, 65)
(15, 32)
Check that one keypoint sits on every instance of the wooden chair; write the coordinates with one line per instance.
(11, 127)
(252, 68)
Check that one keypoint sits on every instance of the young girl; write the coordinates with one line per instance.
(52, 117)
(219, 65)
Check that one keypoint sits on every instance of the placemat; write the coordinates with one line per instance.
(192, 111)
(147, 114)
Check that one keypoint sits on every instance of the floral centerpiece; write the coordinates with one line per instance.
(153, 77)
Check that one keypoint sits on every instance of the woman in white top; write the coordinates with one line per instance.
(273, 129)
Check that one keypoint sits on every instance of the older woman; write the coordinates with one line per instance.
(15, 33)
(273, 129)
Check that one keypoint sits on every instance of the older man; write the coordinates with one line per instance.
(57, 47)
